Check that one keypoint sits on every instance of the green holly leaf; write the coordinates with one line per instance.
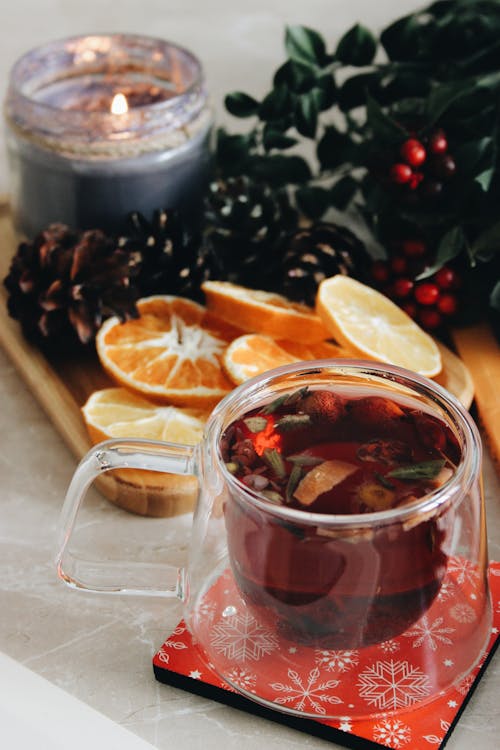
(485, 178)
(233, 151)
(241, 105)
(326, 92)
(495, 297)
(451, 245)
(354, 90)
(312, 201)
(278, 170)
(382, 125)
(275, 139)
(332, 148)
(357, 46)
(405, 38)
(277, 104)
(488, 242)
(343, 191)
(306, 46)
(442, 97)
(295, 75)
(306, 114)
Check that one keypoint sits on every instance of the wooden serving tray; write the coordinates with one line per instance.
(62, 386)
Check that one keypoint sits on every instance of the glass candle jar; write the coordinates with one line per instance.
(99, 126)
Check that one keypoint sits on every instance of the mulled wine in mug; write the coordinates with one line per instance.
(338, 501)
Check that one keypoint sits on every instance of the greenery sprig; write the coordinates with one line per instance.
(352, 107)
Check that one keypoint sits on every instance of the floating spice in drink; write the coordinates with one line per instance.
(338, 453)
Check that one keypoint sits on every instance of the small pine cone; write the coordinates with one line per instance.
(316, 253)
(169, 260)
(65, 283)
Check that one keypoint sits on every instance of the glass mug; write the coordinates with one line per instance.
(316, 614)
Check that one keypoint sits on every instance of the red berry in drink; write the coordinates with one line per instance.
(413, 152)
(447, 278)
(414, 248)
(402, 288)
(430, 318)
(447, 304)
(426, 293)
(380, 271)
(398, 265)
(400, 173)
(438, 143)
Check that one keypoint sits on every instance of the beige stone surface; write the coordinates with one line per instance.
(99, 649)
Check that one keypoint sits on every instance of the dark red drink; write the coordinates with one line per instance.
(335, 453)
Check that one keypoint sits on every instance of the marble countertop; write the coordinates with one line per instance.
(99, 649)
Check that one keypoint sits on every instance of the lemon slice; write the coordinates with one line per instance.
(368, 324)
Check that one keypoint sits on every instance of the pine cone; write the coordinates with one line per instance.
(65, 283)
(245, 222)
(316, 253)
(170, 261)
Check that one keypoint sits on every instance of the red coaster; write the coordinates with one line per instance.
(389, 676)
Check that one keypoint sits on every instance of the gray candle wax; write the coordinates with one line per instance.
(75, 160)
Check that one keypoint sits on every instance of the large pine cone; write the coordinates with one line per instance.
(316, 253)
(65, 283)
(245, 222)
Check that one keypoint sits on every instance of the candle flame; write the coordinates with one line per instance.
(119, 105)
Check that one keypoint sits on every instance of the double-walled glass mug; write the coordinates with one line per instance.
(314, 610)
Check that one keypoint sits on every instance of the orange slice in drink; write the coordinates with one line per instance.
(370, 325)
(255, 353)
(170, 353)
(120, 413)
(256, 311)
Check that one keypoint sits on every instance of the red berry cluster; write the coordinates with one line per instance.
(431, 301)
(425, 164)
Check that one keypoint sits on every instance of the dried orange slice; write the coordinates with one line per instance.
(170, 353)
(256, 311)
(120, 413)
(254, 353)
(369, 325)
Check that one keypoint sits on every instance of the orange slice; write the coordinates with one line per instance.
(256, 311)
(369, 325)
(120, 413)
(254, 353)
(170, 353)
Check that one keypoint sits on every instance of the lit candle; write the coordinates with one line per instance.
(99, 126)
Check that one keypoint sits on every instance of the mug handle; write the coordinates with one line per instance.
(117, 577)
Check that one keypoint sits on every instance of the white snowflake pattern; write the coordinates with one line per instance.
(463, 613)
(393, 684)
(430, 633)
(242, 677)
(392, 731)
(306, 694)
(336, 661)
(464, 569)
(345, 724)
(466, 684)
(242, 638)
(207, 610)
(446, 591)
(389, 647)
